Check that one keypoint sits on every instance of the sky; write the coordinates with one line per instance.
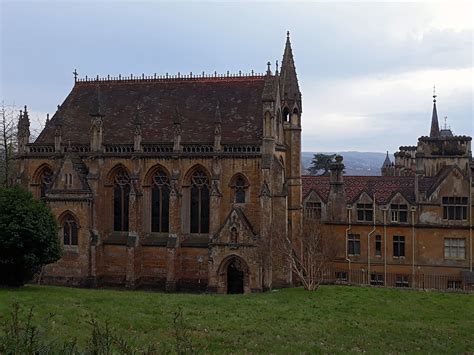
(366, 69)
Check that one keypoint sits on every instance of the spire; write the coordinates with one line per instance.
(387, 163)
(289, 82)
(434, 132)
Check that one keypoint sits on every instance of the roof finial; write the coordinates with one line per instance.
(276, 66)
(434, 93)
(75, 75)
(288, 34)
(268, 68)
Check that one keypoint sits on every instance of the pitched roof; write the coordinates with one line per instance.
(239, 99)
(384, 187)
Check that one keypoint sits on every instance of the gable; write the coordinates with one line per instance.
(236, 229)
(452, 183)
(71, 174)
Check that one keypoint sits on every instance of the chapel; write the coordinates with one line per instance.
(173, 182)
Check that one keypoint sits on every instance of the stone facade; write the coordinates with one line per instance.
(171, 182)
(408, 226)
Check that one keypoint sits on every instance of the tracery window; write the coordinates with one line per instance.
(239, 187)
(121, 200)
(199, 202)
(46, 181)
(69, 226)
(160, 199)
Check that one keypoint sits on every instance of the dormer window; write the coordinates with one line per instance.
(399, 213)
(365, 212)
(312, 209)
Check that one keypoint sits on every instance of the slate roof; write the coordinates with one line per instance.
(239, 100)
(384, 187)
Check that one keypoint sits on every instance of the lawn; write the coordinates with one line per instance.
(334, 319)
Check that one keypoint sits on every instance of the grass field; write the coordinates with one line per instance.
(333, 319)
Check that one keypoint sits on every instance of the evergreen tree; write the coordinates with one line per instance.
(321, 162)
(28, 236)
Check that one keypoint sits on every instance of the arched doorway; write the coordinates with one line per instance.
(235, 277)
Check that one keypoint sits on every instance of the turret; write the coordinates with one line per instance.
(23, 133)
(387, 167)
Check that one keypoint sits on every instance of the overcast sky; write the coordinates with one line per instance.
(366, 70)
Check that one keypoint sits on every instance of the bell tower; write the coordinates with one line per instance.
(290, 97)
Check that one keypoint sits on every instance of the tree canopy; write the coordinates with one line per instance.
(321, 163)
(28, 236)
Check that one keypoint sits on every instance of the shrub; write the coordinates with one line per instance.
(28, 236)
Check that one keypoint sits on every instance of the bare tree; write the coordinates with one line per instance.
(311, 258)
(7, 143)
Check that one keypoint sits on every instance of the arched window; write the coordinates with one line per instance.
(286, 114)
(240, 190)
(121, 200)
(46, 180)
(199, 202)
(239, 184)
(69, 226)
(160, 200)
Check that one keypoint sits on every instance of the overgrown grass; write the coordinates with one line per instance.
(333, 319)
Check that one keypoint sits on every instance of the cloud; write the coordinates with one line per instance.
(385, 111)
(365, 69)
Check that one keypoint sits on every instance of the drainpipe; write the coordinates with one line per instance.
(413, 209)
(368, 243)
(349, 208)
(470, 223)
(385, 246)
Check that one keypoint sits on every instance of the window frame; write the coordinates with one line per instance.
(313, 209)
(454, 207)
(121, 196)
(399, 246)
(402, 280)
(378, 245)
(160, 197)
(453, 247)
(200, 190)
(354, 240)
(399, 212)
(365, 212)
(69, 230)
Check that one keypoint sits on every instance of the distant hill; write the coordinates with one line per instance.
(356, 163)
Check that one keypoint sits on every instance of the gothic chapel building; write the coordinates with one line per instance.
(171, 182)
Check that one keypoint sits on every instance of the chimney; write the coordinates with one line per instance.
(337, 196)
